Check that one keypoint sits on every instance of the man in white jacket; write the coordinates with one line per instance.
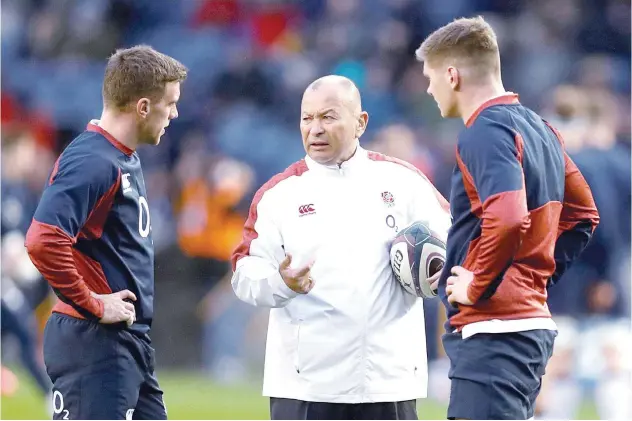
(345, 341)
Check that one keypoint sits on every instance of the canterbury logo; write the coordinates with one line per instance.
(306, 209)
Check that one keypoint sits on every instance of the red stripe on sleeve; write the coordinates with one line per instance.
(470, 188)
(505, 221)
(54, 173)
(94, 278)
(93, 227)
(249, 233)
(579, 205)
(519, 147)
(51, 251)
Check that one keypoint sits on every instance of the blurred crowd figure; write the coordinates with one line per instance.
(592, 306)
(21, 284)
(250, 61)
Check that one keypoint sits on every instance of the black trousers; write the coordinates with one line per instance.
(292, 409)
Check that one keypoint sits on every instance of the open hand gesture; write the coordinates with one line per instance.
(298, 280)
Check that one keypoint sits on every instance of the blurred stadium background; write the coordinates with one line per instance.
(249, 62)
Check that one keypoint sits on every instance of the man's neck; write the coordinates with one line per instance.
(348, 155)
(121, 126)
(475, 97)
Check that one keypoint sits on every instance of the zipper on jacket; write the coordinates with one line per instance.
(297, 365)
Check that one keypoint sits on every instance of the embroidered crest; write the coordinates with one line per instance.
(388, 199)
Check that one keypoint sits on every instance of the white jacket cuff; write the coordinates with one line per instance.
(269, 291)
(280, 288)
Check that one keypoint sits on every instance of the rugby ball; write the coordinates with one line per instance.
(417, 253)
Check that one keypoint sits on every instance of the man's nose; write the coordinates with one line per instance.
(316, 129)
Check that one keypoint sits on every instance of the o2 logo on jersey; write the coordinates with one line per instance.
(144, 220)
(58, 405)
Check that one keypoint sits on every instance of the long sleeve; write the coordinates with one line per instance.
(256, 279)
(578, 220)
(491, 163)
(78, 188)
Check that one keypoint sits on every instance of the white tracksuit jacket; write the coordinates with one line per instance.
(357, 336)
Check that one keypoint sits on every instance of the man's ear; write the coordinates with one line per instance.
(363, 120)
(143, 106)
(453, 77)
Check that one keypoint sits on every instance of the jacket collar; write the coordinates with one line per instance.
(357, 159)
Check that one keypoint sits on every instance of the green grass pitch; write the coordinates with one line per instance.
(193, 396)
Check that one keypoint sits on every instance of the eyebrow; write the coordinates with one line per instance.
(325, 111)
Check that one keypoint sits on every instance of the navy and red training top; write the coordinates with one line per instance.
(522, 212)
(91, 230)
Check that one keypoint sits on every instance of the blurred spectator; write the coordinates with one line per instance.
(209, 225)
(25, 168)
(588, 121)
(10, 382)
(243, 80)
(216, 12)
(399, 142)
(593, 297)
(17, 318)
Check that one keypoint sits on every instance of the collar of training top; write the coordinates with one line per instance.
(358, 157)
(505, 99)
(93, 126)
